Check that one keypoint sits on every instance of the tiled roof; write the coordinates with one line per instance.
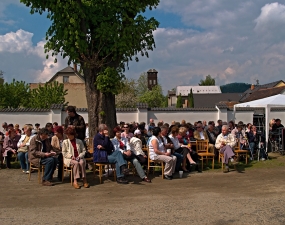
(264, 92)
(248, 109)
(24, 110)
(183, 109)
(248, 92)
(142, 105)
(57, 106)
(68, 69)
(126, 109)
(152, 71)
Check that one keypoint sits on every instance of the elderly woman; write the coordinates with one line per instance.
(181, 148)
(10, 146)
(56, 143)
(73, 152)
(23, 148)
(157, 151)
(121, 144)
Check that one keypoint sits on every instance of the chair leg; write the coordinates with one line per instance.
(100, 173)
(246, 158)
(114, 172)
(71, 175)
(30, 172)
(162, 170)
(39, 174)
(213, 162)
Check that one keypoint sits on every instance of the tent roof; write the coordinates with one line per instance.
(275, 100)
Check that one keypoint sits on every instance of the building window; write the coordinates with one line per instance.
(65, 79)
(154, 82)
(150, 82)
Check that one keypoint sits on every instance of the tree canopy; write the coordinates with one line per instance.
(154, 98)
(18, 94)
(179, 101)
(209, 81)
(102, 36)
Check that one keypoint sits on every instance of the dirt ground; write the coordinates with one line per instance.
(248, 196)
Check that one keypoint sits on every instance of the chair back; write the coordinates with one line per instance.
(237, 146)
(202, 146)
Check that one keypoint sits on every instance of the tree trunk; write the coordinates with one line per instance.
(100, 106)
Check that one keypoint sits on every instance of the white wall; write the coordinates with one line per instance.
(142, 115)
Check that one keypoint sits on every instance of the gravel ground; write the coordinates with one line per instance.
(253, 196)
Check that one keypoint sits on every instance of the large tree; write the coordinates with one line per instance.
(102, 36)
(209, 81)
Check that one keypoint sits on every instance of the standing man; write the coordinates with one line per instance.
(76, 122)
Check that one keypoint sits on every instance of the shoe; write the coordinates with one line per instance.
(122, 180)
(226, 169)
(124, 170)
(23, 171)
(27, 172)
(199, 171)
(185, 171)
(234, 161)
(263, 159)
(146, 180)
(76, 186)
(168, 177)
(86, 185)
(193, 163)
(47, 183)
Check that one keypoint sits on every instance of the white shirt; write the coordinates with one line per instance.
(202, 135)
(161, 148)
(175, 141)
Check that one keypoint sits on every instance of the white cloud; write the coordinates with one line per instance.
(234, 41)
(23, 61)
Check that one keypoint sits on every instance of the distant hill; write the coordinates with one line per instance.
(235, 87)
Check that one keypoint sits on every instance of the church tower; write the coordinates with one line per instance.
(151, 78)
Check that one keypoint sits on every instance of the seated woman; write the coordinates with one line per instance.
(23, 148)
(56, 143)
(136, 147)
(251, 136)
(121, 144)
(184, 139)
(157, 151)
(127, 134)
(10, 146)
(181, 148)
(73, 152)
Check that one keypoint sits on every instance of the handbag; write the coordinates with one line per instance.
(128, 158)
(23, 149)
(100, 156)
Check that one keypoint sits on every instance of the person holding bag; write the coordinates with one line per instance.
(121, 144)
(23, 148)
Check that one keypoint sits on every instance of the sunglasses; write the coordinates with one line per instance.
(126, 127)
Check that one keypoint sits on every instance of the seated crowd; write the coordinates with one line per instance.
(54, 146)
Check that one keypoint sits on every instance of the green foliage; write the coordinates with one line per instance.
(14, 95)
(191, 99)
(127, 98)
(142, 84)
(110, 81)
(209, 81)
(165, 103)
(179, 101)
(48, 94)
(98, 34)
(235, 88)
(154, 98)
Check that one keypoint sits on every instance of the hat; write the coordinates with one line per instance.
(137, 132)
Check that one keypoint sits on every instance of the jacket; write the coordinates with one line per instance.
(22, 139)
(68, 150)
(79, 123)
(10, 144)
(229, 139)
(198, 137)
(136, 146)
(116, 144)
(36, 148)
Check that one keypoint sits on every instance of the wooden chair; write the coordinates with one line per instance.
(155, 164)
(101, 167)
(221, 157)
(68, 169)
(40, 170)
(202, 149)
(132, 168)
(240, 152)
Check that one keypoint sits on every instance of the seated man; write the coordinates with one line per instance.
(225, 143)
(200, 134)
(104, 152)
(42, 153)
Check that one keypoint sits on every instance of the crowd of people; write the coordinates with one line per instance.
(56, 145)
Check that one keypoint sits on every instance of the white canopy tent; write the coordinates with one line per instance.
(267, 103)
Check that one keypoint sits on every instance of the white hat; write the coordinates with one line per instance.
(137, 132)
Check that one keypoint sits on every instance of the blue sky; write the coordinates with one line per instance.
(234, 41)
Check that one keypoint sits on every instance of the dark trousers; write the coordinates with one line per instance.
(141, 159)
(50, 166)
(179, 160)
(8, 159)
(60, 166)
